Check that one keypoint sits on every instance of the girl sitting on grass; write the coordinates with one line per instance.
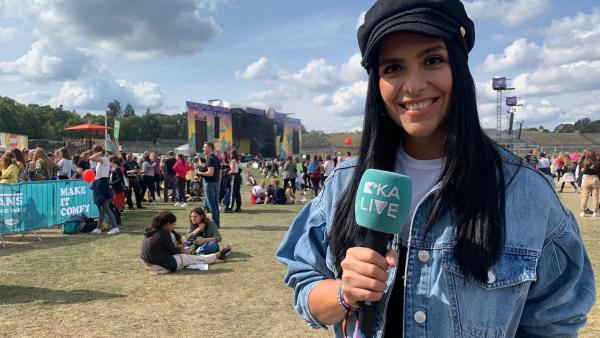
(163, 249)
(203, 235)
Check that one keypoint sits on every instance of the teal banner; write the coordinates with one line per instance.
(34, 205)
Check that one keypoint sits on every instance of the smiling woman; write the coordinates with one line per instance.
(477, 257)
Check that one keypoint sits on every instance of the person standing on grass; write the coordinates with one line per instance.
(289, 173)
(170, 180)
(148, 182)
(132, 171)
(102, 193)
(235, 195)
(163, 249)
(181, 169)
(314, 173)
(477, 256)
(590, 183)
(212, 181)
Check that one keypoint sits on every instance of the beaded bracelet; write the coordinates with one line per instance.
(342, 302)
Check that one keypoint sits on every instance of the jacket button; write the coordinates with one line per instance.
(491, 277)
(423, 256)
(420, 317)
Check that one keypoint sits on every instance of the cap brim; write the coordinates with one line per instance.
(407, 27)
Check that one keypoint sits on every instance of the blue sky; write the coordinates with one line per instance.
(300, 57)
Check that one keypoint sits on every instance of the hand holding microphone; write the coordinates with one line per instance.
(382, 205)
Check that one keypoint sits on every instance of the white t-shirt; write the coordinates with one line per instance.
(328, 167)
(258, 191)
(66, 168)
(425, 174)
(102, 168)
(543, 162)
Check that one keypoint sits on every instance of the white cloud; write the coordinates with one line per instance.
(93, 92)
(45, 61)
(361, 19)
(7, 33)
(34, 97)
(352, 70)
(211, 4)
(519, 54)
(261, 69)
(349, 100)
(131, 28)
(572, 77)
(499, 37)
(512, 13)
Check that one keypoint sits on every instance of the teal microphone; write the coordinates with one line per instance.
(382, 205)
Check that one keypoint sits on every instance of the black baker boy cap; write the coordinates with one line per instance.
(444, 19)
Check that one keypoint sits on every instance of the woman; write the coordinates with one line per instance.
(289, 173)
(290, 195)
(235, 177)
(9, 173)
(314, 173)
(568, 175)
(21, 164)
(117, 185)
(225, 185)
(66, 168)
(181, 168)
(474, 243)
(42, 165)
(203, 236)
(163, 249)
(148, 183)
(102, 193)
(590, 183)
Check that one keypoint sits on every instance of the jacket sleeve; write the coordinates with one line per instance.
(558, 302)
(304, 250)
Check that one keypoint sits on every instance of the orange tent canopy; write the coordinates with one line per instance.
(88, 126)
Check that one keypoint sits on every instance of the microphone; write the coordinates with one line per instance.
(382, 205)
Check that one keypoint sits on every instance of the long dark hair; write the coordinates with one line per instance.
(162, 218)
(472, 183)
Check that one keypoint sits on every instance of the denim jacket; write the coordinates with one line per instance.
(541, 285)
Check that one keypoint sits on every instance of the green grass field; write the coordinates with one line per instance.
(95, 285)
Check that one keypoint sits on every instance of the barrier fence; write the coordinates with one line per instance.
(29, 206)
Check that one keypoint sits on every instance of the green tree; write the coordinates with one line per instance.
(128, 111)
(114, 109)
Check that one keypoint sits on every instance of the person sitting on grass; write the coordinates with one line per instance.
(203, 235)
(290, 197)
(258, 191)
(163, 249)
(275, 194)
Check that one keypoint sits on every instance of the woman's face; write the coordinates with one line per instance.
(195, 218)
(416, 84)
(169, 226)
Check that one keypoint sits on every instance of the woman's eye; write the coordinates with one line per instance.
(392, 69)
(434, 60)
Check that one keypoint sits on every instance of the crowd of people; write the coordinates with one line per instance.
(580, 170)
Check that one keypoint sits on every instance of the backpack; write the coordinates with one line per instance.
(72, 224)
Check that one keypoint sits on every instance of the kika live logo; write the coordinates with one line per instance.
(372, 201)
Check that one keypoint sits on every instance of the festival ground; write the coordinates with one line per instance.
(95, 285)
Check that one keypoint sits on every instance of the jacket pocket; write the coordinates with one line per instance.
(493, 308)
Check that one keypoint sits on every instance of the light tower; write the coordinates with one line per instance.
(511, 103)
(499, 85)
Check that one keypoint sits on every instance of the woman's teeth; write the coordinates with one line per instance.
(418, 106)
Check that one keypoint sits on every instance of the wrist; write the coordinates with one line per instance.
(342, 301)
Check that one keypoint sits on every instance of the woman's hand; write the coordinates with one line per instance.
(365, 274)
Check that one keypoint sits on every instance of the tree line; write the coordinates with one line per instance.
(45, 122)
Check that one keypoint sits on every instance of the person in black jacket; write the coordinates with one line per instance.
(163, 248)
(117, 185)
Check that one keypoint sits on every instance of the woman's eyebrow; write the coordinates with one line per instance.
(422, 53)
(431, 50)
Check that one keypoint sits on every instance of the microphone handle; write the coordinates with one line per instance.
(376, 241)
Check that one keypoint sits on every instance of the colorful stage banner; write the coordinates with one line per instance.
(34, 205)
